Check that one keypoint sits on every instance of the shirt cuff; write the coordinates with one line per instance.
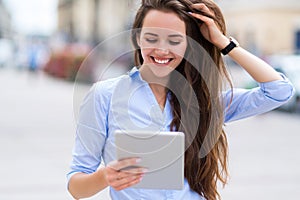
(279, 90)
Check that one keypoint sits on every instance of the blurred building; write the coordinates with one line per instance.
(264, 27)
(5, 21)
(91, 21)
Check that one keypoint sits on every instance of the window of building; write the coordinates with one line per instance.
(297, 41)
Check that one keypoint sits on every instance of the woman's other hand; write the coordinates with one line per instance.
(121, 174)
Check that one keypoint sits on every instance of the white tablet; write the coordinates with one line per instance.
(162, 153)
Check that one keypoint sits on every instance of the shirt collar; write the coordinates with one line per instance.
(133, 72)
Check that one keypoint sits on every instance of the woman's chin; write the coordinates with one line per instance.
(161, 71)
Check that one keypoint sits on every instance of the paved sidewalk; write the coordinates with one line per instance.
(264, 158)
(36, 135)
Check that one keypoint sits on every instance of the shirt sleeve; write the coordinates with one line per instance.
(246, 103)
(91, 132)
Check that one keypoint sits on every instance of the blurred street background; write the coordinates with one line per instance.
(44, 74)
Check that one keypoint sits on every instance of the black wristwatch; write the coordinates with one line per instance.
(233, 43)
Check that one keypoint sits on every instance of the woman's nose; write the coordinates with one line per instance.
(162, 51)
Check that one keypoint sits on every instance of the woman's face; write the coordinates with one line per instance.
(162, 41)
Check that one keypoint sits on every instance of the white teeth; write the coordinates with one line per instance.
(161, 61)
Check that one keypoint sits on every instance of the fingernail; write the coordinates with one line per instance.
(145, 170)
(138, 160)
(190, 13)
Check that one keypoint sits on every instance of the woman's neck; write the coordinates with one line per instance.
(160, 94)
(157, 85)
(158, 89)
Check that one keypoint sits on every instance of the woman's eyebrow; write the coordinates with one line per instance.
(175, 35)
(152, 34)
(172, 35)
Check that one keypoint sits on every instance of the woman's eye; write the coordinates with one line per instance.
(151, 40)
(174, 42)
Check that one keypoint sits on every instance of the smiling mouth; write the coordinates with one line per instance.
(162, 61)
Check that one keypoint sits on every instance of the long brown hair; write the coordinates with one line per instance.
(206, 142)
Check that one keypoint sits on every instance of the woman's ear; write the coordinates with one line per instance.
(138, 40)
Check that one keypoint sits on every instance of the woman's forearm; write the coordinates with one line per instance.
(83, 185)
(256, 67)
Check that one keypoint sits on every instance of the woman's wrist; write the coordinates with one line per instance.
(222, 42)
(100, 175)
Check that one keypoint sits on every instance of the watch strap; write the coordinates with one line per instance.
(229, 47)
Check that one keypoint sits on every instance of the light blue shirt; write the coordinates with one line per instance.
(127, 103)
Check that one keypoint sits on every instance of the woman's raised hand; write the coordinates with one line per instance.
(209, 28)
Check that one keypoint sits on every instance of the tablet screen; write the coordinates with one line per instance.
(162, 153)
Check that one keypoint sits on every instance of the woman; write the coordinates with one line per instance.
(180, 72)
